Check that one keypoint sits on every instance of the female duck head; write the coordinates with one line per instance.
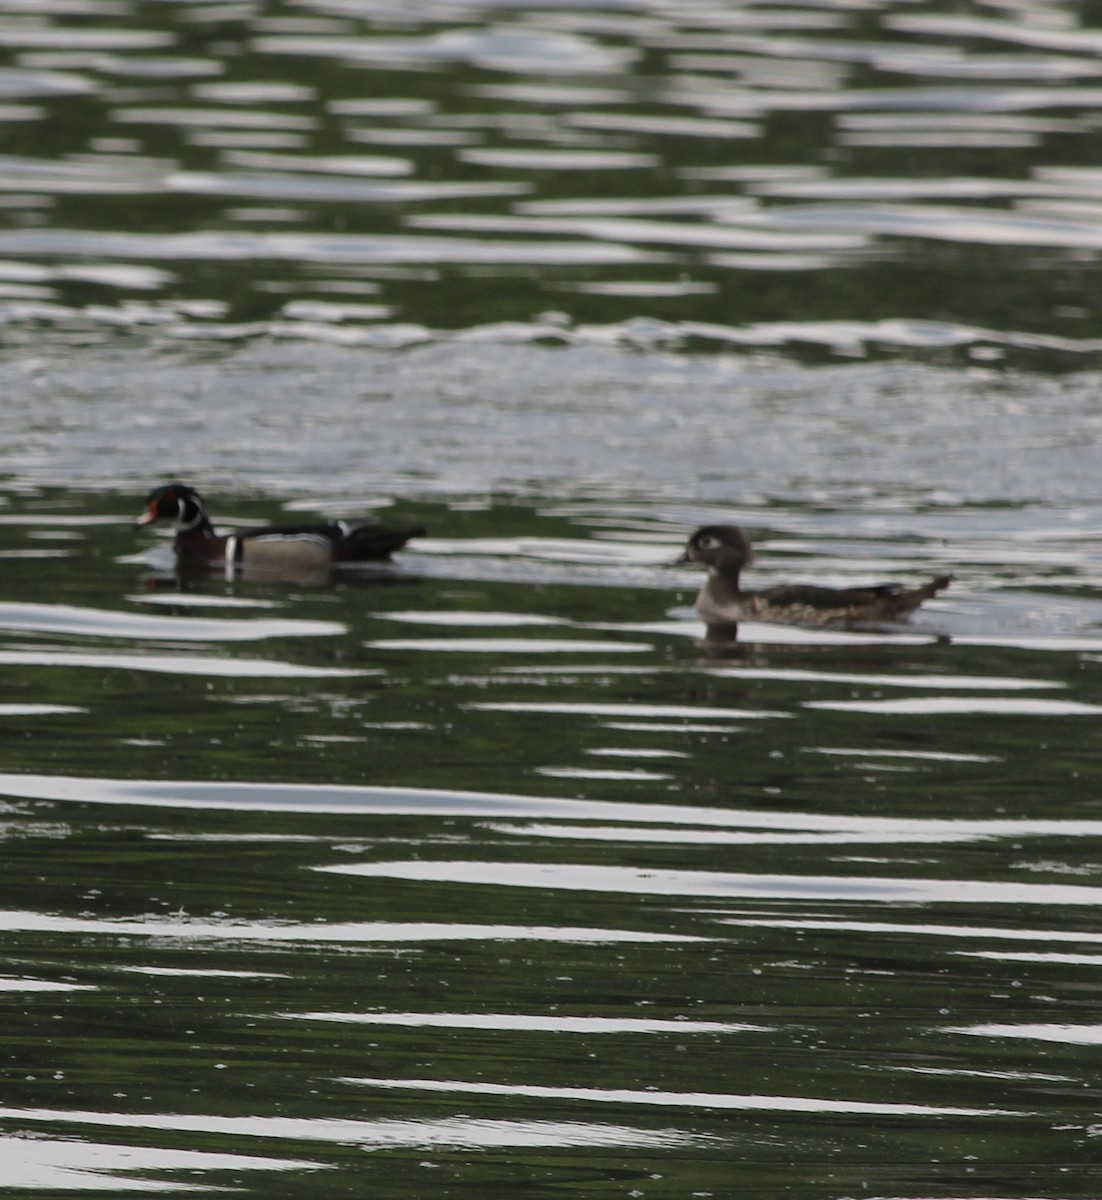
(724, 549)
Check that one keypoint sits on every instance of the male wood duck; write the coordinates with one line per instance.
(725, 550)
(284, 550)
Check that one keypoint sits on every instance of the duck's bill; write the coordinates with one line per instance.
(147, 517)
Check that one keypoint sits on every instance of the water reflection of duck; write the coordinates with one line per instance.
(281, 550)
(725, 550)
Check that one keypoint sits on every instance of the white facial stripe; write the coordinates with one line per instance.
(182, 503)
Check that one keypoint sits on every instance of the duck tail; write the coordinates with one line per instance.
(939, 584)
(908, 600)
(374, 542)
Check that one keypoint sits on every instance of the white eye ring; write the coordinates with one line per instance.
(707, 542)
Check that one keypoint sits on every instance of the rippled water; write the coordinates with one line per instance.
(479, 871)
(479, 863)
(844, 177)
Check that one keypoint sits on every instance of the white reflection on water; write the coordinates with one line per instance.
(342, 248)
(513, 1021)
(923, 755)
(852, 337)
(958, 1073)
(39, 520)
(37, 710)
(175, 664)
(636, 773)
(386, 801)
(16, 82)
(213, 118)
(639, 881)
(703, 127)
(669, 727)
(558, 550)
(41, 985)
(93, 622)
(948, 682)
(937, 705)
(630, 752)
(1049, 35)
(919, 929)
(758, 633)
(1024, 956)
(716, 837)
(371, 1135)
(511, 49)
(479, 619)
(186, 929)
(634, 229)
(203, 973)
(488, 645)
(541, 672)
(103, 38)
(1070, 644)
(271, 185)
(1070, 1035)
(558, 160)
(727, 70)
(947, 223)
(197, 600)
(326, 164)
(582, 708)
(658, 1098)
(45, 1164)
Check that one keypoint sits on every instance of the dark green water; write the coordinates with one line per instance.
(477, 874)
(473, 874)
(836, 178)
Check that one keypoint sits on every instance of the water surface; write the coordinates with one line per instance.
(581, 900)
(479, 871)
(843, 179)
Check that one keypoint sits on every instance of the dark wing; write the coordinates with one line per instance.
(812, 596)
(352, 541)
(363, 540)
(330, 530)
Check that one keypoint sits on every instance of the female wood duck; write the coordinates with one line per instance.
(725, 550)
(284, 550)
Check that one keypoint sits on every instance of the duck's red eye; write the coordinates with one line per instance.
(707, 542)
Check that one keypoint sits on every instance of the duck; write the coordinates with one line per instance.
(296, 551)
(725, 550)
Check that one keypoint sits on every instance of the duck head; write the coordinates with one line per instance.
(723, 549)
(175, 502)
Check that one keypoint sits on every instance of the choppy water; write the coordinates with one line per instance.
(481, 865)
(841, 177)
(477, 872)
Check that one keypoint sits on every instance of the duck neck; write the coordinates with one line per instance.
(191, 518)
(723, 579)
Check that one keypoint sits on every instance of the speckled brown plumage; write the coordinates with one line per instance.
(725, 550)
